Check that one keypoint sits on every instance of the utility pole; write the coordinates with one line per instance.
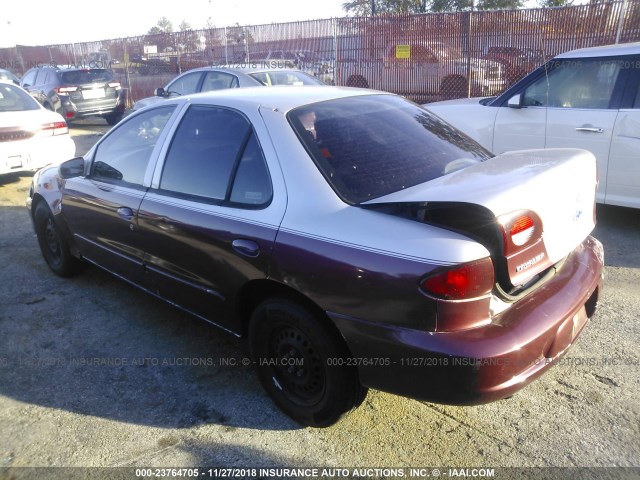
(373, 8)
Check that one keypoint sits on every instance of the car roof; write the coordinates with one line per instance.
(604, 51)
(247, 70)
(282, 98)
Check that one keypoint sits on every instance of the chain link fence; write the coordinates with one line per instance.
(424, 57)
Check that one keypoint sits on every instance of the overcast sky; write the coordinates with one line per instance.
(40, 22)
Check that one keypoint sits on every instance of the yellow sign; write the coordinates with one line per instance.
(403, 51)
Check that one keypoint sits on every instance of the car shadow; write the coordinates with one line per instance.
(618, 228)
(94, 345)
(9, 179)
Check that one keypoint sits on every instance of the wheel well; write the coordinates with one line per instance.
(357, 81)
(454, 78)
(35, 201)
(257, 291)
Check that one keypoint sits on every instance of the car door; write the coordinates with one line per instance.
(583, 101)
(212, 214)
(523, 127)
(574, 104)
(101, 208)
(623, 176)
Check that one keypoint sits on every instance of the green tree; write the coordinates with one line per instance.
(184, 26)
(499, 4)
(164, 25)
(555, 3)
(362, 8)
(451, 5)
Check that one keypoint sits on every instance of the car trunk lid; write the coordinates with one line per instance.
(494, 200)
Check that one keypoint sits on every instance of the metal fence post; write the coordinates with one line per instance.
(621, 20)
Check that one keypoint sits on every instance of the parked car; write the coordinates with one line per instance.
(30, 136)
(516, 62)
(77, 93)
(357, 240)
(6, 75)
(425, 69)
(306, 60)
(587, 98)
(219, 78)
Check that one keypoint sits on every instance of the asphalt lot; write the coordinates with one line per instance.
(96, 373)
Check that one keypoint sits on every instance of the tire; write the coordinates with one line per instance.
(357, 81)
(453, 87)
(53, 245)
(113, 118)
(311, 390)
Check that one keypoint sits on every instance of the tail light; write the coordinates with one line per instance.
(115, 85)
(54, 128)
(66, 90)
(461, 282)
(519, 230)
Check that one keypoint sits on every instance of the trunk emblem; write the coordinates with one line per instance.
(530, 262)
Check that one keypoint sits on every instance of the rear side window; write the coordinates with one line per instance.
(284, 77)
(92, 75)
(13, 99)
(218, 81)
(215, 157)
(43, 76)
(373, 145)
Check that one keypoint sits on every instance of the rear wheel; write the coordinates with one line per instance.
(302, 363)
(53, 245)
(113, 118)
(357, 81)
(453, 87)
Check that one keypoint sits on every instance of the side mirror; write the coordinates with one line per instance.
(160, 92)
(72, 168)
(515, 101)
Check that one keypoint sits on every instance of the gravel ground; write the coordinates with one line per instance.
(96, 373)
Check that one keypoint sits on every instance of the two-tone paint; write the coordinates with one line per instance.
(360, 265)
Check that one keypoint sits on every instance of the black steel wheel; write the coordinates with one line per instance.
(53, 245)
(453, 87)
(113, 118)
(302, 363)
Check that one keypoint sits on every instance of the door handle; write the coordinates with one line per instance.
(248, 248)
(126, 213)
(590, 129)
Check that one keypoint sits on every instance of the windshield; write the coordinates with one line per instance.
(374, 145)
(285, 77)
(14, 99)
(93, 75)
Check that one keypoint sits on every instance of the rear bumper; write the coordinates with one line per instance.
(487, 363)
(71, 110)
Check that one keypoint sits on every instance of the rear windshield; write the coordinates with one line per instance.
(14, 99)
(93, 75)
(370, 146)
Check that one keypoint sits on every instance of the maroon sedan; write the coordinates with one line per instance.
(356, 239)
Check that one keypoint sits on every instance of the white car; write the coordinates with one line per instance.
(587, 98)
(30, 136)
